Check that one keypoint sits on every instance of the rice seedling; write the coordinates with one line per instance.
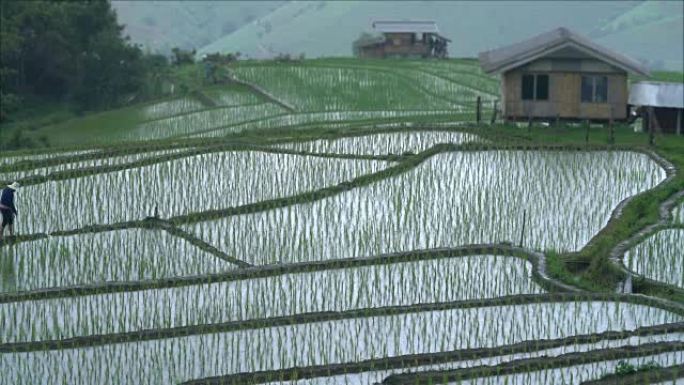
(202, 120)
(575, 375)
(449, 200)
(232, 97)
(335, 117)
(431, 79)
(157, 304)
(8, 158)
(123, 255)
(170, 108)
(678, 214)
(396, 284)
(310, 88)
(76, 166)
(468, 74)
(660, 257)
(596, 369)
(190, 184)
(380, 144)
(448, 90)
(183, 358)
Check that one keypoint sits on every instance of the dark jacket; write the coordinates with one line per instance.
(7, 199)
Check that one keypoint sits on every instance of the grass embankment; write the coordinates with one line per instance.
(661, 76)
(590, 268)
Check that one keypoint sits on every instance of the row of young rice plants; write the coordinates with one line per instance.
(311, 88)
(678, 214)
(577, 374)
(8, 158)
(470, 74)
(400, 142)
(565, 376)
(195, 183)
(485, 87)
(448, 90)
(204, 120)
(341, 289)
(451, 199)
(84, 164)
(172, 107)
(172, 360)
(232, 96)
(457, 66)
(461, 88)
(339, 117)
(659, 257)
(83, 259)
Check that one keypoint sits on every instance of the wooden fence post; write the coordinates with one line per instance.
(644, 120)
(587, 123)
(651, 123)
(529, 123)
(478, 113)
(496, 101)
(611, 129)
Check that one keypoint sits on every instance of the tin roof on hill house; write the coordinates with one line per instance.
(518, 54)
(397, 26)
(657, 94)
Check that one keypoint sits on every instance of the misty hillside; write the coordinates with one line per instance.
(162, 25)
(647, 31)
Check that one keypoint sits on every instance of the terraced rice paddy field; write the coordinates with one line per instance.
(336, 222)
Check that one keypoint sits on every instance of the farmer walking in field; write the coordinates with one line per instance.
(8, 209)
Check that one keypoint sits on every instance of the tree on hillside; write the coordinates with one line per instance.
(66, 51)
(181, 57)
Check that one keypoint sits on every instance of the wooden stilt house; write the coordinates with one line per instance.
(561, 75)
(406, 38)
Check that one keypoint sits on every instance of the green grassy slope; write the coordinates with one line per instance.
(320, 92)
(162, 25)
(346, 90)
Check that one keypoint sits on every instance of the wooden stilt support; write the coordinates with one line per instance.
(494, 113)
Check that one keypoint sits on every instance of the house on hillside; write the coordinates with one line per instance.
(660, 104)
(561, 75)
(409, 38)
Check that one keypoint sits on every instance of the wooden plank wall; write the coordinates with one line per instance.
(564, 98)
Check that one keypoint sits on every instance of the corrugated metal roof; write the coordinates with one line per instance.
(395, 26)
(657, 94)
(518, 54)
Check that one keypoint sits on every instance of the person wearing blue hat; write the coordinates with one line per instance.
(7, 208)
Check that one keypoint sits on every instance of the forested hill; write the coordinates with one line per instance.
(72, 55)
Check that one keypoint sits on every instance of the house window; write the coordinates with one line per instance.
(542, 88)
(535, 87)
(594, 89)
(600, 89)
